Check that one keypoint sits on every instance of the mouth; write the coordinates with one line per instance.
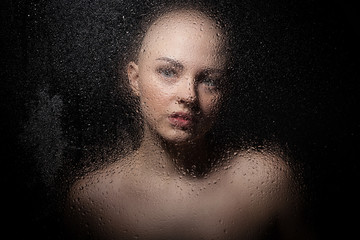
(181, 120)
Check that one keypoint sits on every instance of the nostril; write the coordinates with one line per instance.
(191, 98)
(188, 99)
(186, 91)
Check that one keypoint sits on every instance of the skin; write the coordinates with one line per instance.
(179, 66)
(158, 191)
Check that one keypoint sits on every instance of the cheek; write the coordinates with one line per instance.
(209, 103)
(153, 96)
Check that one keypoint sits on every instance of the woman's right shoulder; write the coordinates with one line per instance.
(91, 193)
(92, 186)
(89, 186)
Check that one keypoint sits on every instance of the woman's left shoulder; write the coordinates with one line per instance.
(273, 181)
(265, 165)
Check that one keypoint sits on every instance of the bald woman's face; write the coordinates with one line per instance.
(178, 75)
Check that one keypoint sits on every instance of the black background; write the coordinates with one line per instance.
(326, 135)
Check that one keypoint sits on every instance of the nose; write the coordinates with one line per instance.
(187, 93)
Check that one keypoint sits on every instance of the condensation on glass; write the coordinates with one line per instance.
(159, 119)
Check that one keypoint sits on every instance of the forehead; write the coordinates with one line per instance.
(184, 18)
(179, 33)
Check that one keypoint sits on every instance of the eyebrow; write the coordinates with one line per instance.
(214, 71)
(176, 63)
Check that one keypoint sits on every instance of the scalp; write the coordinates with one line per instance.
(186, 21)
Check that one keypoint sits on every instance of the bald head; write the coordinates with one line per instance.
(180, 68)
(188, 31)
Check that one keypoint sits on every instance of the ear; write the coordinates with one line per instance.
(133, 76)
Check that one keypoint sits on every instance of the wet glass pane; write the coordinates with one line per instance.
(180, 119)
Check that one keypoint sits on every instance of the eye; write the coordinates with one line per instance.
(167, 72)
(209, 82)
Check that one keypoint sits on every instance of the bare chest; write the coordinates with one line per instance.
(184, 209)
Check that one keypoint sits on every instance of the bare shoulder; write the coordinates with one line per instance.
(269, 161)
(94, 185)
(90, 184)
(91, 196)
(265, 171)
(272, 183)
(97, 188)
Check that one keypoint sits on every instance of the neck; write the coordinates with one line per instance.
(192, 157)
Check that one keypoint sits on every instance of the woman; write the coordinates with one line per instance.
(176, 185)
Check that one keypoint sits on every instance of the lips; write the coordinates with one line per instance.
(181, 120)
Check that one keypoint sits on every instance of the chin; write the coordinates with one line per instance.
(181, 137)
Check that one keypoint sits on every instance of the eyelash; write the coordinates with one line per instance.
(209, 82)
(167, 72)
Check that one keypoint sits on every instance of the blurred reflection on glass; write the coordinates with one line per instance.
(185, 180)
